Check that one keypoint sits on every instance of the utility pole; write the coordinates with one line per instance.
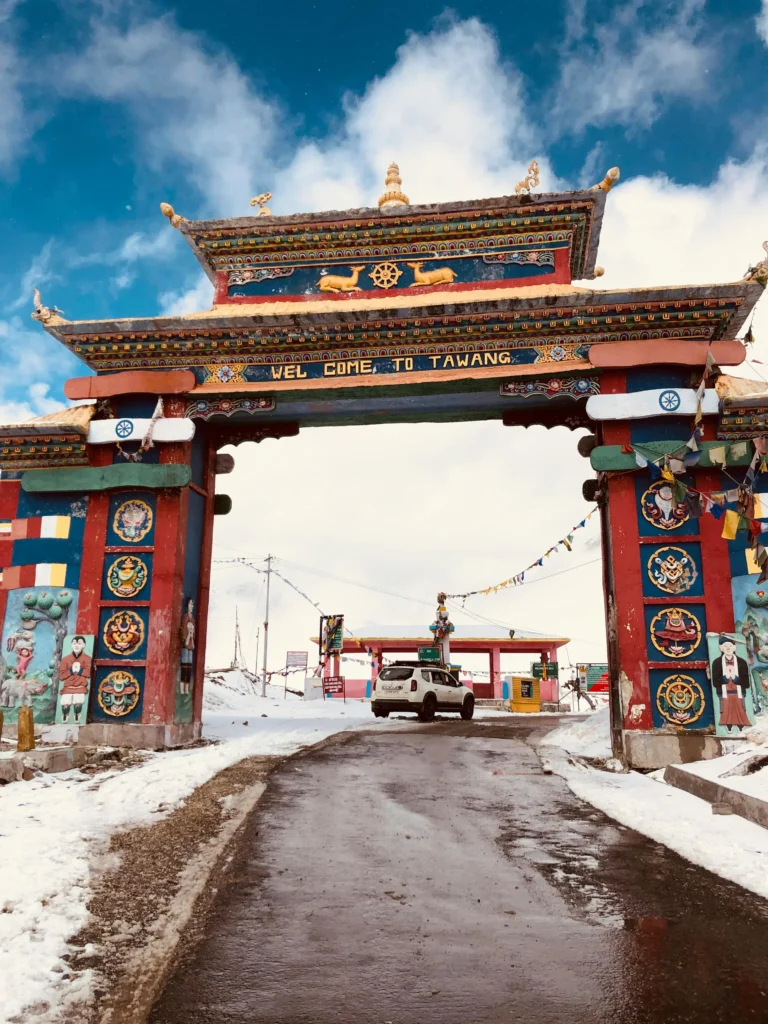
(266, 630)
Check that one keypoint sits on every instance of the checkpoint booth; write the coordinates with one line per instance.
(526, 694)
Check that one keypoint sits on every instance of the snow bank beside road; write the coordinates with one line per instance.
(588, 738)
(52, 827)
(728, 846)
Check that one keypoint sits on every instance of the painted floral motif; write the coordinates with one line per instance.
(660, 508)
(133, 520)
(675, 632)
(118, 693)
(127, 576)
(680, 700)
(672, 570)
(123, 632)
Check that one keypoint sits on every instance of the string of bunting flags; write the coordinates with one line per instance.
(515, 581)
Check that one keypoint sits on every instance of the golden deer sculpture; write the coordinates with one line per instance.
(443, 275)
(334, 283)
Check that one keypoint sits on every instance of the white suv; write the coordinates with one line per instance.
(420, 687)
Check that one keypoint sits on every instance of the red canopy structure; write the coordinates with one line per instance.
(493, 641)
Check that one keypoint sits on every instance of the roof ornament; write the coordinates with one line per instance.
(393, 196)
(610, 179)
(759, 273)
(261, 201)
(168, 211)
(43, 313)
(530, 181)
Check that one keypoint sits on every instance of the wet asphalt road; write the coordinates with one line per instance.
(439, 876)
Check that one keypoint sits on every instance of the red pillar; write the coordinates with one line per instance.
(204, 589)
(495, 664)
(167, 590)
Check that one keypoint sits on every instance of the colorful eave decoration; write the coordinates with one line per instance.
(549, 327)
(446, 228)
(36, 446)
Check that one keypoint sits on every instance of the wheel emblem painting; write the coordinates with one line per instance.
(124, 429)
(669, 401)
(680, 700)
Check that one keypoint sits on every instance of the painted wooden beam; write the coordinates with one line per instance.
(126, 428)
(104, 478)
(222, 505)
(615, 355)
(224, 464)
(131, 382)
(643, 405)
(611, 457)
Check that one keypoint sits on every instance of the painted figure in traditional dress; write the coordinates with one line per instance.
(187, 637)
(730, 677)
(75, 678)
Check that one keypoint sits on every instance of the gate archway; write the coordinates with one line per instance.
(452, 311)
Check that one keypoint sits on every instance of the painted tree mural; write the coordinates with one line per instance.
(53, 609)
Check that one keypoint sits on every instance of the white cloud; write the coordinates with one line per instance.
(656, 231)
(649, 52)
(14, 121)
(194, 107)
(761, 22)
(39, 273)
(452, 114)
(191, 299)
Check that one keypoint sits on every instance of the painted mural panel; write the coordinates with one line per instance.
(681, 698)
(126, 577)
(334, 271)
(658, 512)
(750, 610)
(74, 677)
(131, 519)
(37, 622)
(672, 569)
(676, 632)
(123, 633)
(117, 694)
(731, 683)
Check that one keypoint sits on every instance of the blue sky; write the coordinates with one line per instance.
(109, 108)
(112, 107)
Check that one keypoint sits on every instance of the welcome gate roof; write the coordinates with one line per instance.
(486, 327)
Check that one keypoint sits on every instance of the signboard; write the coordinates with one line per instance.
(589, 673)
(526, 689)
(429, 654)
(537, 670)
(334, 684)
(296, 659)
(331, 634)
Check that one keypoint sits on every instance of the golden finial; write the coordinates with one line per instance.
(393, 196)
(599, 271)
(43, 313)
(168, 211)
(608, 181)
(261, 201)
(759, 273)
(531, 180)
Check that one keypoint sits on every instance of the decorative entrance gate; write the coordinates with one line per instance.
(454, 311)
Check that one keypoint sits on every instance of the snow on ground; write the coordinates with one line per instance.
(588, 738)
(52, 827)
(727, 845)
